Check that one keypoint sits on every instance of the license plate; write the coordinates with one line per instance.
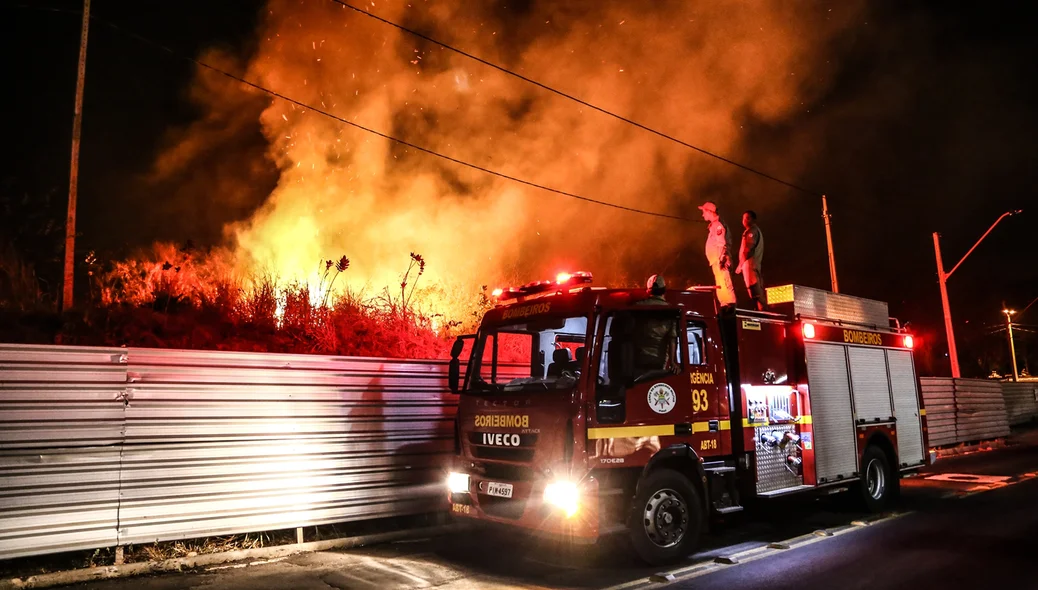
(502, 490)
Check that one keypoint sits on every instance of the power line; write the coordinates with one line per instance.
(386, 136)
(579, 100)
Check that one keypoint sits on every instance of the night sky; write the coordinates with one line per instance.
(929, 124)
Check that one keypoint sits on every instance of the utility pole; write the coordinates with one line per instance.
(1012, 347)
(73, 179)
(942, 279)
(829, 243)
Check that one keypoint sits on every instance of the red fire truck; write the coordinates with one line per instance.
(585, 411)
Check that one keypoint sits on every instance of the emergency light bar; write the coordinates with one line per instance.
(561, 280)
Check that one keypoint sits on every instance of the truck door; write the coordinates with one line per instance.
(642, 398)
(707, 386)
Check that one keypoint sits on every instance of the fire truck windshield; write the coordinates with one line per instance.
(542, 354)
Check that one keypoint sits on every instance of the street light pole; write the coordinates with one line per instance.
(73, 179)
(1012, 347)
(942, 279)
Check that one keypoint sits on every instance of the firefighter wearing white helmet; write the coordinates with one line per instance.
(656, 335)
(655, 287)
(717, 254)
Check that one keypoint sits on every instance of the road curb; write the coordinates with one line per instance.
(263, 555)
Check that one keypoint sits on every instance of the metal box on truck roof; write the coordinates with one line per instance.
(808, 302)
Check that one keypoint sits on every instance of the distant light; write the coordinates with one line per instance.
(563, 277)
(809, 330)
(909, 341)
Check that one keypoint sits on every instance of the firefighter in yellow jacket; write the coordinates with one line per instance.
(717, 254)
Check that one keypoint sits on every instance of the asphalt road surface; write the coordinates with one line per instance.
(967, 522)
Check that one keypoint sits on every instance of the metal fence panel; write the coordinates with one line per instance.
(964, 410)
(980, 410)
(61, 431)
(939, 400)
(1021, 401)
(221, 442)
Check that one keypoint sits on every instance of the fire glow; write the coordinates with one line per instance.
(343, 191)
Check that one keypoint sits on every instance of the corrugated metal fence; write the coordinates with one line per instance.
(103, 447)
(1021, 402)
(111, 446)
(964, 410)
(61, 436)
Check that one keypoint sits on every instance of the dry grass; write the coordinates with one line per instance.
(193, 547)
(174, 297)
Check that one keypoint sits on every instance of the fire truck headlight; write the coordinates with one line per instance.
(564, 496)
(458, 483)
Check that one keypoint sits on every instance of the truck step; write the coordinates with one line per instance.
(724, 469)
(728, 509)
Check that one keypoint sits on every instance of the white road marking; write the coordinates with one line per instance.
(737, 559)
(235, 566)
(968, 478)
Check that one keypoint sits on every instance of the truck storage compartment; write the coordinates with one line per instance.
(836, 451)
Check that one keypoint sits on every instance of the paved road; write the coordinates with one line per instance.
(968, 522)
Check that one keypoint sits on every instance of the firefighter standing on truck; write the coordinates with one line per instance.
(717, 254)
(751, 253)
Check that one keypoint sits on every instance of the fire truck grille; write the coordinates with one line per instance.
(518, 455)
(502, 507)
(506, 472)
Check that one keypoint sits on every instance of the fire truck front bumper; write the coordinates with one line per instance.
(559, 508)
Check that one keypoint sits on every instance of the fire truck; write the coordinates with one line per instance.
(586, 412)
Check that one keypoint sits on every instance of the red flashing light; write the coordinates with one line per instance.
(809, 330)
(563, 278)
(909, 341)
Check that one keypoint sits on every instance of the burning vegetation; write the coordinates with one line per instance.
(699, 71)
(287, 186)
(182, 297)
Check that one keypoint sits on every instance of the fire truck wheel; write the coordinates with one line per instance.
(878, 482)
(666, 518)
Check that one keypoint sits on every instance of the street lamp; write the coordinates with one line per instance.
(942, 279)
(1012, 348)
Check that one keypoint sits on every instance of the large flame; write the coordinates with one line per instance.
(698, 70)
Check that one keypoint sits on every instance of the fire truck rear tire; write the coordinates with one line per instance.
(666, 518)
(879, 483)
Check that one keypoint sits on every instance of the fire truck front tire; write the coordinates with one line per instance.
(666, 518)
(879, 483)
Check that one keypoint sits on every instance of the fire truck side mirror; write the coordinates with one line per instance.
(454, 375)
(454, 366)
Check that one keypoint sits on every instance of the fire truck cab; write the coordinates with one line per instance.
(586, 412)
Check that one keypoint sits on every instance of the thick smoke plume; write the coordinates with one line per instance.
(701, 71)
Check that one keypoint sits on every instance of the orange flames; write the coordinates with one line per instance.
(698, 71)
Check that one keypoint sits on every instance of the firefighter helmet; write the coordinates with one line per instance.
(656, 286)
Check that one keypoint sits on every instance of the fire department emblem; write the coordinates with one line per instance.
(662, 398)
